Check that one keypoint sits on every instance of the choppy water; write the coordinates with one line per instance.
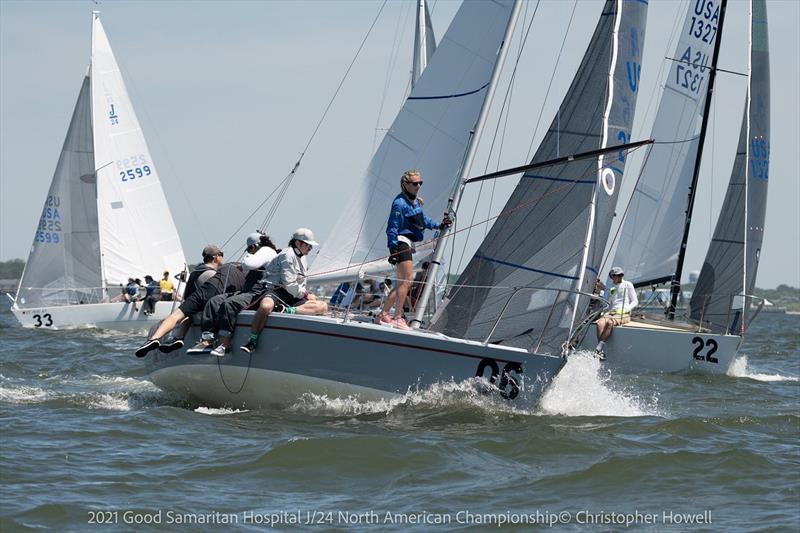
(87, 438)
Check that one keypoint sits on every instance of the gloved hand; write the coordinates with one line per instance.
(446, 221)
(392, 256)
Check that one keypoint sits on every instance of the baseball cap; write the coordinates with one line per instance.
(253, 238)
(211, 250)
(616, 271)
(305, 235)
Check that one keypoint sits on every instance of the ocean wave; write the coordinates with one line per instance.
(584, 388)
(740, 369)
(219, 411)
(473, 393)
(111, 393)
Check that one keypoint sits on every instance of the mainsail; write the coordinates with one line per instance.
(105, 218)
(430, 133)
(556, 223)
(63, 266)
(424, 41)
(653, 228)
(137, 233)
(729, 272)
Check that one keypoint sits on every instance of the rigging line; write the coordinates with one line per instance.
(506, 101)
(549, 85)
(589, 172)
(131, 82)
(702, 68)
(658, 88)
(401, 23)
(610, 246)
(322, 118)
(256, 210)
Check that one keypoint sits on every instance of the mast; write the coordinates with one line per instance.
(103, 280)
(458, 187)
(676, 278)
(747, 170)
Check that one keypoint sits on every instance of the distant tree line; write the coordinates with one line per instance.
(11, 269)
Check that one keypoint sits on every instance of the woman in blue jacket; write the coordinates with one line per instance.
(407, 224)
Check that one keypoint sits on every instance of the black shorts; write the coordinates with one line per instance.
(197, 300)
(282, 296)
(403, 252)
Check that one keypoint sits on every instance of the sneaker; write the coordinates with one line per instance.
(250, 347)
(151, 344)
(384, 318)
(600, 354)
(200, 347)
(219, 351)
(170, 345)
(400, 323)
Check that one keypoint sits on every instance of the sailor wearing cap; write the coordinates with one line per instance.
(622, 299)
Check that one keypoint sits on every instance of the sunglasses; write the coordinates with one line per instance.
(415, 183)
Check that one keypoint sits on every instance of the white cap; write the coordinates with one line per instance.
(253, 238)
(305, 235)
(616, 271)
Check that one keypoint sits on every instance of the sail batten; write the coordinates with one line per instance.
(553, 228)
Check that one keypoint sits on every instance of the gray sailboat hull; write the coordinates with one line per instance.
(299, 355)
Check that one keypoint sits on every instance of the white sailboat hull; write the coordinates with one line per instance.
(639, 346)
(118, 316)
(298, 355)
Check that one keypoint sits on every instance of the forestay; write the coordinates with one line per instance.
(731, 264)
(430, 133)
(651, 234)
(556, 223)
(63, 266)
(137, 233)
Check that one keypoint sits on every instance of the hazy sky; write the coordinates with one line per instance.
(228, 94)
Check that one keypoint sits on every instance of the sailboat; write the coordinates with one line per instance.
(437, 130)
(105, 218)
(656, 229)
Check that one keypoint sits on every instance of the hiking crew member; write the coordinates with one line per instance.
(407, 224)
(220, 312)
(212, 278)
(622, 299)
(285, 289)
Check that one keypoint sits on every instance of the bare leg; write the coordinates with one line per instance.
(405, 272)
(312, 307)
(169, 323)
(264, 309)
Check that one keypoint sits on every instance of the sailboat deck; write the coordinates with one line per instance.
(644, 322)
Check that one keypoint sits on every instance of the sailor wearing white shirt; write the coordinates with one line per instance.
(286, 290)
(622, 299)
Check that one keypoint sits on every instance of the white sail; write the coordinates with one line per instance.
(424, 41)
(137, 233)
(431, 133)
(654, 224)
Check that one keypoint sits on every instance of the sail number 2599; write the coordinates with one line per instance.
(700, 344)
